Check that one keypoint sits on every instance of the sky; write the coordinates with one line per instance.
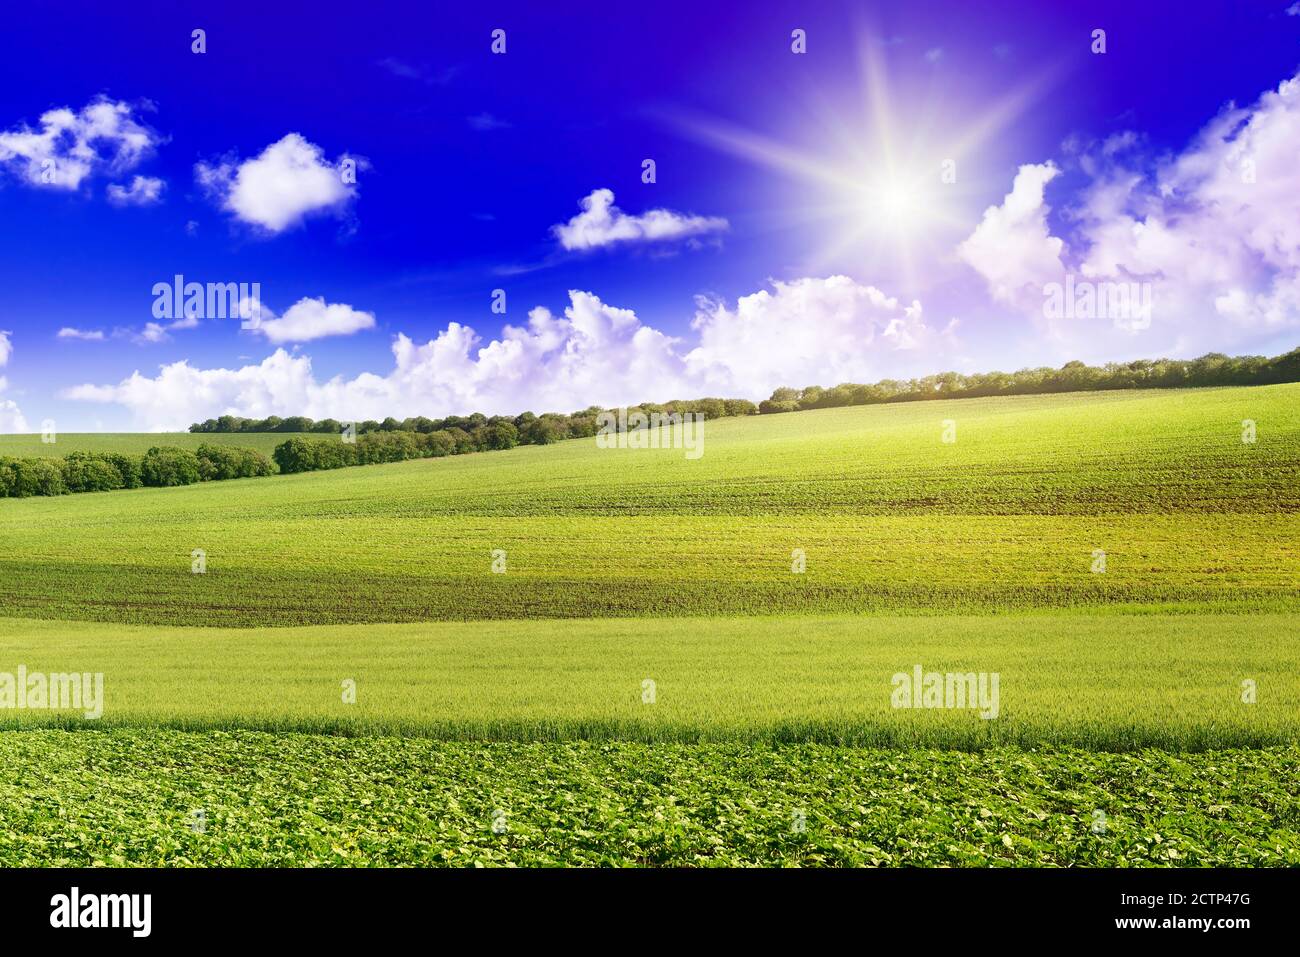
(437, 218)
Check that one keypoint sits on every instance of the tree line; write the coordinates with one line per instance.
(1209, 370)
(529, 429)
(1213, 369)
(420, 437)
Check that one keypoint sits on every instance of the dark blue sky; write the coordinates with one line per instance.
(469, 160)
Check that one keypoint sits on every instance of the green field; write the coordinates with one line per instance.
(891, 520)
(132, 797)
(624, 566)
(1103, 682)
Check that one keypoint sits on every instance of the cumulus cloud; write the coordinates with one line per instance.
(68, 147)
(89, 335)
(287, 182)
(141, 191)
(1012, 247)
(11, 417)
(601, 223)
(309, 319)
(797, 333)
(810, 332)
(1214, 231)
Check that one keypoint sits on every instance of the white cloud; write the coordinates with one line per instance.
(69, 146)
(1293, 10)
(934, 55)
(601, 223)
(1214, 230)
(154, 332)
(1012, 246)
(141, 191)
(90, 335)
(11, 417)
(798, 333)
(810, 332)
(309, 319)
(286, 182)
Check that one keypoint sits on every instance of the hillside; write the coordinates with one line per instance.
(890, 519)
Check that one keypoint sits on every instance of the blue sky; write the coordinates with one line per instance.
(804, 232)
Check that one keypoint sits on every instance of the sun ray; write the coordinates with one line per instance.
(875, 190)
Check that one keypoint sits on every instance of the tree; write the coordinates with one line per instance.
(542, 431)
(499, 435)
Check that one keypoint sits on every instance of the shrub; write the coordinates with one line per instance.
(165, 467)
(25, 477)
(83, 472)
(128, 467)
(294, 455)
(219, 462)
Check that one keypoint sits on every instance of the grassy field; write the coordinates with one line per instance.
(1121, 688)
(890, 518)
(137, 443)
(1101, 682)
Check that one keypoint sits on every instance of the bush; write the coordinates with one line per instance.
(165, 467)
(219, 462)
(294, 455)
(83, 472)
(26, 477)
(128, 467)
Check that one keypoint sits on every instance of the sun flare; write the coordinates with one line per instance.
(893, 184)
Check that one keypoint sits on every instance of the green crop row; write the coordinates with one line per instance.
(174, 799)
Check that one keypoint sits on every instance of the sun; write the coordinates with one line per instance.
(895, 182)
(895, 205)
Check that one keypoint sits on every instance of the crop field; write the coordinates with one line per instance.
(1106, 682)
(153, 798)
(889, 518)
(643, 658)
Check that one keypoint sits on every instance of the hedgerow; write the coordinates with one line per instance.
(161, 466)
